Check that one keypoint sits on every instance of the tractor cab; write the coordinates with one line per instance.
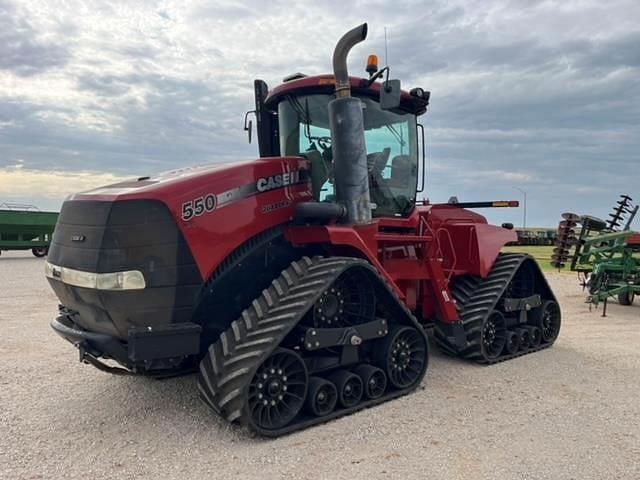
(293, 120)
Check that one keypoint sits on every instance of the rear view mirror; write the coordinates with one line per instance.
(390, 95)
(248, 124)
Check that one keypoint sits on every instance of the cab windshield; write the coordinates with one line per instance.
(391, 143)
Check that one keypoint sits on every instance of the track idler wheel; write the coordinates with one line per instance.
(373, 379)
(535, 336)
(349, 387)
(547, 317)
(525, 338)
(512, 344)
(321, 397)
(402, 355)
(277, 390)
(494, 335)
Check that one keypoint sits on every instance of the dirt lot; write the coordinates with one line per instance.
(572, 411)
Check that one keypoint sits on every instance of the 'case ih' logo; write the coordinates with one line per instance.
(277, 181)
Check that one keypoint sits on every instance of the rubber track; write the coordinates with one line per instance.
(230, 363)
(475, 299)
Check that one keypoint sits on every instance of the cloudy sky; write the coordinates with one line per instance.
(537, 95)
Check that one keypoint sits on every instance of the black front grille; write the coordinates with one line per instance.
(142, 235)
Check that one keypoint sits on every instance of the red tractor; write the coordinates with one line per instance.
(298, 285)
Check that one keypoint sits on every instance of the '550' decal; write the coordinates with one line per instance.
(199, 206)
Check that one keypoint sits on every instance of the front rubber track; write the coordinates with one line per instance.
(230, 363)
(476, 298)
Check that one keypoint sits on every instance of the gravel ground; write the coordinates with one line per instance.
(570, 412)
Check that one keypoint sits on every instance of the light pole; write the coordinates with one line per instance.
(524, 216)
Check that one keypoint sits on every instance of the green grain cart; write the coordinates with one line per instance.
(24, 227)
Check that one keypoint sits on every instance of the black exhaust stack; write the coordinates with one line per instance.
(347, 134)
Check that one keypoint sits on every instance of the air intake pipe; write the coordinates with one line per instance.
(347, 134)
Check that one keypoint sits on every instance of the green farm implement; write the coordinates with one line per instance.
(24, 227)
(606, 254)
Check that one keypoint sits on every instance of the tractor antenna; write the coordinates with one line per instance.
(386, 51)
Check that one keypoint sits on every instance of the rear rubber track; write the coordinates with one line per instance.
(476, 298)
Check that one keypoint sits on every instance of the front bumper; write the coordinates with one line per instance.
(148, 350)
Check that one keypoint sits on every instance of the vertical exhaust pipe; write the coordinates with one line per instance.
(347, 134)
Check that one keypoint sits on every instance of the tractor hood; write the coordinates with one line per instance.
(202, 208)
(140, 187)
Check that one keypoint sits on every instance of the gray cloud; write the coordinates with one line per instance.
(21, 51)
(534, 95)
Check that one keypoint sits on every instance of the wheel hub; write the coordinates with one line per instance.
(489, 333)
(329, 307)
(401, 356)
(493, 335)
(350, 300)
(272, 389)
(275, 387)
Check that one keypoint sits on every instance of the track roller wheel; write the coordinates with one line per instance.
(349, 387)
(513, 342)
(626, 298)
(278, 389)
(321, 397)
(373, 379)
(402, 355)
(535, 336)
(494, 335)
(525, 338)
(547, 317)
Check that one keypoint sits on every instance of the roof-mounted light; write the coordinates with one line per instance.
(372, 65)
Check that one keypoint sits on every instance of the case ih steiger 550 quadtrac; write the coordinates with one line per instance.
(298, 285)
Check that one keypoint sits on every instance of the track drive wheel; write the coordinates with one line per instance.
(626, 298)
(321, 397)
(402, 354)
(494, 335)
(277, 390)
(547, 317)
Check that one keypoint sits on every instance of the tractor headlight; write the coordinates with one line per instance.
(130, 280)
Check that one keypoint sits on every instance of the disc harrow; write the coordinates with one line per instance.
(623, 208)
(603, 253)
